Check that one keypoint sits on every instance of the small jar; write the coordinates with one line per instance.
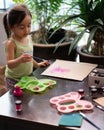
(18, 106)
(94, 93)
(81, 92)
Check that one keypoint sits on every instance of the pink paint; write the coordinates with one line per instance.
(36, 87)
(60, 70)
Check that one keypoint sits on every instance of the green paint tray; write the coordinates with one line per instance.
(35, 85)
(22, 82)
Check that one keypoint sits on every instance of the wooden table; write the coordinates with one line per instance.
(38, 113)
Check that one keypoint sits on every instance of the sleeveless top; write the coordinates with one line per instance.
(23, 69)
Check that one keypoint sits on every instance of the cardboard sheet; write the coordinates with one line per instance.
(69, 69)
(100, 101)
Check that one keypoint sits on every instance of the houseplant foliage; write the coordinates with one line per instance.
(89, 16)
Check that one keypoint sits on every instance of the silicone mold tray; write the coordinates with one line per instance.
(22, 82)
(35, 85)
(40, 85)
(70, 102)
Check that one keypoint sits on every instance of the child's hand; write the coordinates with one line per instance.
(43, 63)
(25, 58)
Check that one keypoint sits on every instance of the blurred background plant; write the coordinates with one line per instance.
(88, 15)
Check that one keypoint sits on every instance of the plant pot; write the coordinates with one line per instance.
(83, 57)
(46, 51)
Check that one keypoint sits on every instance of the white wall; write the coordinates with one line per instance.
(3, 37)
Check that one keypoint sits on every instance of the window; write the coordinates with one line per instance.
(5, 4)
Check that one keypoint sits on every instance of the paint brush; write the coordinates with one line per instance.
(100, 107)
(85, 117)
(41, 59)
(38, 58)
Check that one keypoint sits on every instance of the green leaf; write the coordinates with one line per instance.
(76, 40)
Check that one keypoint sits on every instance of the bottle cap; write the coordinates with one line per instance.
(18, 102)
(95, 70)
(93, 87)
(94, 90)
(81, 91)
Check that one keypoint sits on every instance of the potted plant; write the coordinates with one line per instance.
(89, 18)
(47, 18)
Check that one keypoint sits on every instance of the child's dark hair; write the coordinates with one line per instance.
(14, 16)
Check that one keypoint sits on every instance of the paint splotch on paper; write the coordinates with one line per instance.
(69, 69)
(59, 69)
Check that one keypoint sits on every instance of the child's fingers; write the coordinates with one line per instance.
(26, 58)
(46, 62)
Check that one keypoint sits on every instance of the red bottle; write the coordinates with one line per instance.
(17, 91)
(18, 105)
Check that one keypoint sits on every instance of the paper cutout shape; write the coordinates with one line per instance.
(70, 102)
(69, 69)
(35, 85)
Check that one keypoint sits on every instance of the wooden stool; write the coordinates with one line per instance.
(3, 89)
